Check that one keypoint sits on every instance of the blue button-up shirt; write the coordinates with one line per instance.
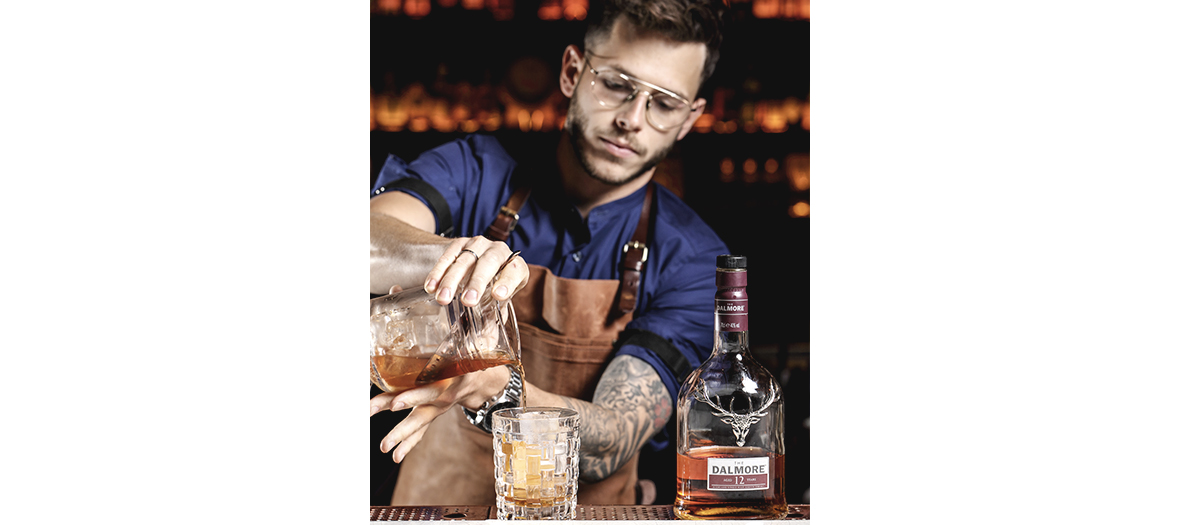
(476, 176)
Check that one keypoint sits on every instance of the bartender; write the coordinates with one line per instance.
(613, 287)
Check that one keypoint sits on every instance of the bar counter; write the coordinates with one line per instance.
(584, 513)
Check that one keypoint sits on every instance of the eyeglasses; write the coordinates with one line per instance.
(665, 109)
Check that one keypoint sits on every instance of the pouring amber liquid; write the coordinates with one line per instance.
(396, 374)
(416, 341)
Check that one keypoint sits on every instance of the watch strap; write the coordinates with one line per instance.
(508, 398)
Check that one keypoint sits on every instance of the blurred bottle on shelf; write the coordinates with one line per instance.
(502, 9)
(798, 167)
(549, 10)
(416, 8)
(389, 7)
(750, 171)
(771, 173)
(574, 9)
(726, 170)
(772, 9)
(799, 209)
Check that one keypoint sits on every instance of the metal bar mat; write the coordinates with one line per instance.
(625, 512)
(584, 512)
(462, 513)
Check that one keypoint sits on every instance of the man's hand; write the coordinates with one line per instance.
(469, 264)
(402, 245)
(433, 400)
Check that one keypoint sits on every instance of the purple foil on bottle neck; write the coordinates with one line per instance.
(731, 279)
(730, 301)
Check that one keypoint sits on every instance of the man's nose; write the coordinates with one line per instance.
(633, 112)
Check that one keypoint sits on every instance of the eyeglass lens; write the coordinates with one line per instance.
(612, 90)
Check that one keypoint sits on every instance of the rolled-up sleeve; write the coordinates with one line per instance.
(469, 174)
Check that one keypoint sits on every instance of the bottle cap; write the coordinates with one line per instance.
(731, 261)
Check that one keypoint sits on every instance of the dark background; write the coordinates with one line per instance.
(453, 49)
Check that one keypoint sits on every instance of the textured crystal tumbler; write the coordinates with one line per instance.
(536, 454)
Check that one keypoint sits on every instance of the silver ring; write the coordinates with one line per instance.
(467, 251)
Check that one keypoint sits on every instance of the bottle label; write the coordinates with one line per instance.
(732, 315)
(739, 473)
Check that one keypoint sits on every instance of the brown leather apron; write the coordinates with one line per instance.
(567, 332)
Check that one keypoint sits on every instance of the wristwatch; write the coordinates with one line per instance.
(509, 398)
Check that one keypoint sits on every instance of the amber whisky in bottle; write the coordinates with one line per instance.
(729, 420)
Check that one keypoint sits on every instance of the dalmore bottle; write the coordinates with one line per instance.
(729, 420)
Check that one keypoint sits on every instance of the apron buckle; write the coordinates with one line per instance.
(636, 245)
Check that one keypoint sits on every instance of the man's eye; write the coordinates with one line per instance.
(616, 84)
(668, 104)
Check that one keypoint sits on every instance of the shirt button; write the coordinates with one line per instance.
(577, 256)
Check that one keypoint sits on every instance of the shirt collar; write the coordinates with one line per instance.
(609, 212)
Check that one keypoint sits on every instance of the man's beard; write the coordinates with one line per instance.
(577, 130)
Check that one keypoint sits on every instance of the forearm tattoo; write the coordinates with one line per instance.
(630, 405)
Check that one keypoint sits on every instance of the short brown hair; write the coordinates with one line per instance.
(679, 20)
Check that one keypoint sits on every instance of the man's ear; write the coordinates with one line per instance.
(698, 109)
(571, 67)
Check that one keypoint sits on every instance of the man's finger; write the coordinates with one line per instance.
(511, 279)
(451, 284)
(434, 276)
(421, 395)
(417, 420)
(485, 269)
(380, 402)
(408, 444)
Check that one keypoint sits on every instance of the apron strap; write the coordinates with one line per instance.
(509, 215)
(634, 256)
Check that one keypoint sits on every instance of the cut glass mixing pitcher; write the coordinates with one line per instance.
(416, 341)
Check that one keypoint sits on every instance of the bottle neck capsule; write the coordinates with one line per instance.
(730, 311)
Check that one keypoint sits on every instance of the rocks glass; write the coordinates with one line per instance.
(536, 455)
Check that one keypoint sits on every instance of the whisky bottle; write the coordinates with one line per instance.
(729, 420)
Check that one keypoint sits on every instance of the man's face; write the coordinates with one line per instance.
(617, 145)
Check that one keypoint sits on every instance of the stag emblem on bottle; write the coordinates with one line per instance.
(739, 422)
